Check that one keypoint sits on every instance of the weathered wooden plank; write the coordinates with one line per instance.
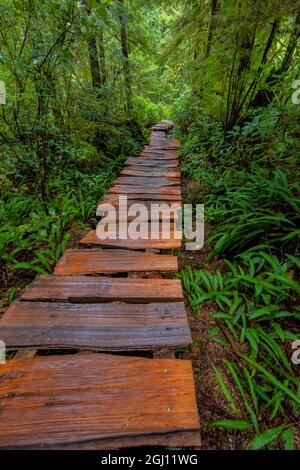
(170, 142)
(169, 243)
(99, 327)
(124, 189)
(160, 129)
(152, 210)
(73, 400)
(95, 289)
(164, 124)
(163, 159)
(165, 145)
(77, 262)
(114, 200)
(150, 204)
(155, 198)
(145, 181)
(173, 439)
(158, 135)
(155, 147)
(153, 162)
(161, 146)
(135, 170)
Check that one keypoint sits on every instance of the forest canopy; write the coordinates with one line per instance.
(85, 80)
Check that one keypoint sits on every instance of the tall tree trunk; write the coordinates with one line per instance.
(214, 12)
(93, 56)
(102, 58)
(270, 41)
(240, 67)
(125, 54)
(94, 64)
(195, 79)
(264, 96)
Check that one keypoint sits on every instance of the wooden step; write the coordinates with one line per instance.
(77, 262)
(166, 211)
(96, 289)
(163, 157)
(160, 228)
(171, 243)
(159, 145)
(148, 196)
(135, 170)
(149, 182)
(146, 189)
(114, 200)
(153, 162)
(158, 128)
(97, 401)
(98, 327)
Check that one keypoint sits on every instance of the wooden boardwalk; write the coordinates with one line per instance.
(112, 295)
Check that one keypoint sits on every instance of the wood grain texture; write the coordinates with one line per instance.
(114, 200)
(149, 172)
(97, 401)
(151, 162)
(161, 147)
(149, 182)
(163, 157)
(77, 262)
(78, 399)
(170, 243)
(95, 289)
(144, 189)
(172, 439)
(98, 327)
(148, 196)
(154, 210)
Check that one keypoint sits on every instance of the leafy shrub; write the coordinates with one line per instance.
(246, 179)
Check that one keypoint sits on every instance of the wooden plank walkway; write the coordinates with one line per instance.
(93, 400)
(75, 262)
(95, 289)
(96, 400)
(102, 327)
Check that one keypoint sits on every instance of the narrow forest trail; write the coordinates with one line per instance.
(111, 295)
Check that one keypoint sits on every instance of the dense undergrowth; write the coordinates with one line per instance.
(34, 230)
(247, 180)
(73, 107)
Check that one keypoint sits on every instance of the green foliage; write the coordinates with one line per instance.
(246, 179)
(84, 82)
(254, 302)
(33, 234)
(237, 425)
(226, 391)
(272, 435)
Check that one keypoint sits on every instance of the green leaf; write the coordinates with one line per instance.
(221, 341)
(230, 424)
(232, 369)
(279, 331)
(288, 439)
(271, 378)
(226, 392)
(12, 294)
(267, 437)
(30, 267)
